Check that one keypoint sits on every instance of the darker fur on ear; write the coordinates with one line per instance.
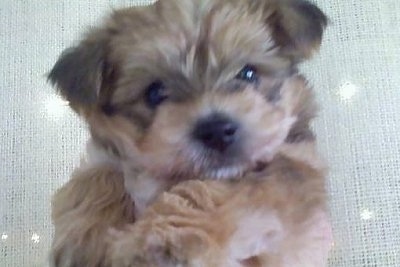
(81, 72)
(298, 26)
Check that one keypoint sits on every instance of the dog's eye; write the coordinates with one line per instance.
(155, 94)
(248, 74)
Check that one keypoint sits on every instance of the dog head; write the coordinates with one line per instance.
(207, 87)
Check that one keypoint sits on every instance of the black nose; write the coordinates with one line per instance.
(216, 132)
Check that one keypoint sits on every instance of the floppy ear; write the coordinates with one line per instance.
(297, 27)
(81, 71)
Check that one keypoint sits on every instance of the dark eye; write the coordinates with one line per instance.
(248, 74)
(155, 94)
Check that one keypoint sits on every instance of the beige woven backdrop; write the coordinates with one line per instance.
(356, 76)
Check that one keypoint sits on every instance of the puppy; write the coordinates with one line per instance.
(175, 91)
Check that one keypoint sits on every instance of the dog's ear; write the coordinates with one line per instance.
(297, 26)
(81, 71)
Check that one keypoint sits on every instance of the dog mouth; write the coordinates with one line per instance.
(235, 171)
(224, 173)
(225, 167)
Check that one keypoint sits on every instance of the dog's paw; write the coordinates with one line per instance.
(126, 248)
(149, 245)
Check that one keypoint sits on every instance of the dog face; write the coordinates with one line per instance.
(195, 87)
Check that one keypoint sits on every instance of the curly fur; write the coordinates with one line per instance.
(137, 152)
(273, 218)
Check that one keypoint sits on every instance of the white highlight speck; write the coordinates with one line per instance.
(4, 237)
(366, 214)
(35, 238)
(55, 106)
(347, 91)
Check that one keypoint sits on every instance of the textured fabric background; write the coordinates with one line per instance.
(356, 76)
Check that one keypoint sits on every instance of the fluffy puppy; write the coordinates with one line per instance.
(175, 91)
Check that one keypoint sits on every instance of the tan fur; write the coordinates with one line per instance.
(83, 210)
(196, 48)
(212, 223)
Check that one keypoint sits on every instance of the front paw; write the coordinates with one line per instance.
(145, 244)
